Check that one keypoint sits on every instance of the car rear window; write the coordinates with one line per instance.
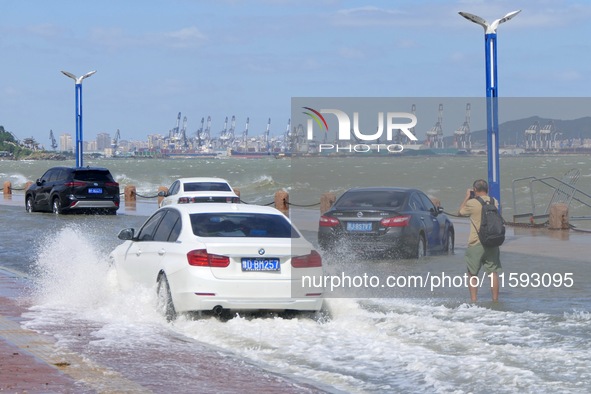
(371, 199)
(249, 225)
(93, 176)
(207, 186)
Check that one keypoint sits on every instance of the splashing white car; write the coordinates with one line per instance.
(221, 257)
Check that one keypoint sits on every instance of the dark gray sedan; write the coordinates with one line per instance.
(403, 222)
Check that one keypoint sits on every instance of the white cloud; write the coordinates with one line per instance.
(458, 57)
(188, 37)
(568, 76)
(112, 38)
(11, 91)
(351, 53)
(406, 43)
(46, 30)
(367, 16)
(118, 38)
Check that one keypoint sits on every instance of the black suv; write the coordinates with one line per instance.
(67, 189)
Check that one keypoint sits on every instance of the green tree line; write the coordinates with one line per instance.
(8, 143)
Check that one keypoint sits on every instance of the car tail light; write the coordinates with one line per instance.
(327, 221)
(184, 200)
(396, 221)
(75, 184)
(200, 258)
(113, 184)
(310, 260)
(235, 200)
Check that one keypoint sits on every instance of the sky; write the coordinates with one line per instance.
(222, 58)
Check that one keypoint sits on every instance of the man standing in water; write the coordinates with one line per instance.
(477, 255)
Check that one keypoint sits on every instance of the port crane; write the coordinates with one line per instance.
(245, 134)
(174, 132)
(267, 134)
(435, 135)
(462, 134)
(403, 138)
(230, 134)
(52, 139)
(206, 137)
(199, 133)
(287, 142)
(183, 133)
(115, 141)
(532, 136)
(546, 134)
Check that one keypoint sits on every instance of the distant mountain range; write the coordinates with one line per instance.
(513, 132)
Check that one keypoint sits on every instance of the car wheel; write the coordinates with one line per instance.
(56, 206)
(449, 245)
(421, 248)
(422, 251)
(165, 304)
(29, 204)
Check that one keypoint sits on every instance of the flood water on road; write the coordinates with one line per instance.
(373, 339)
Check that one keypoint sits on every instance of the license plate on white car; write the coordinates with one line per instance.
(95, 190)
(259, 264)
(359, 226)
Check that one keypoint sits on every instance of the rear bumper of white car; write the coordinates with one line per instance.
(191, 293)
(186, 302)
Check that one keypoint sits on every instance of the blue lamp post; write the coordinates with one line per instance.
(492, 110)
(79, 137)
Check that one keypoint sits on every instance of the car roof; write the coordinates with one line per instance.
(223, 207)
(382, 189)
(79, 168)
(201, 179)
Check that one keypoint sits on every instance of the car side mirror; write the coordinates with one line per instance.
(39, 182)
(126, 234)
(436, 211)
(162, 194)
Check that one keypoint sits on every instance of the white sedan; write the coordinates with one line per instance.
(199, 189)
(221, 257)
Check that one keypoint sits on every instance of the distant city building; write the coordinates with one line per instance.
(66, 144)
(156, 141)
(103, 141)
(91, 146)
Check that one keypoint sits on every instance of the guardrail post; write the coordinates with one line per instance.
(7, 191)
(326, 201)
(161, 189)
(130, 194)
(558, 219)
(282, 202)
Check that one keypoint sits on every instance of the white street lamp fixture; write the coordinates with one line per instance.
(492, 28)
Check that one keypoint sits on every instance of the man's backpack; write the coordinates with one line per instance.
(492, 225)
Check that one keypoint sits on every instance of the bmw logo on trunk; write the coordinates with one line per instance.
(261, 251)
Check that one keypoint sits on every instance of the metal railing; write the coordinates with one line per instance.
(563, 191)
